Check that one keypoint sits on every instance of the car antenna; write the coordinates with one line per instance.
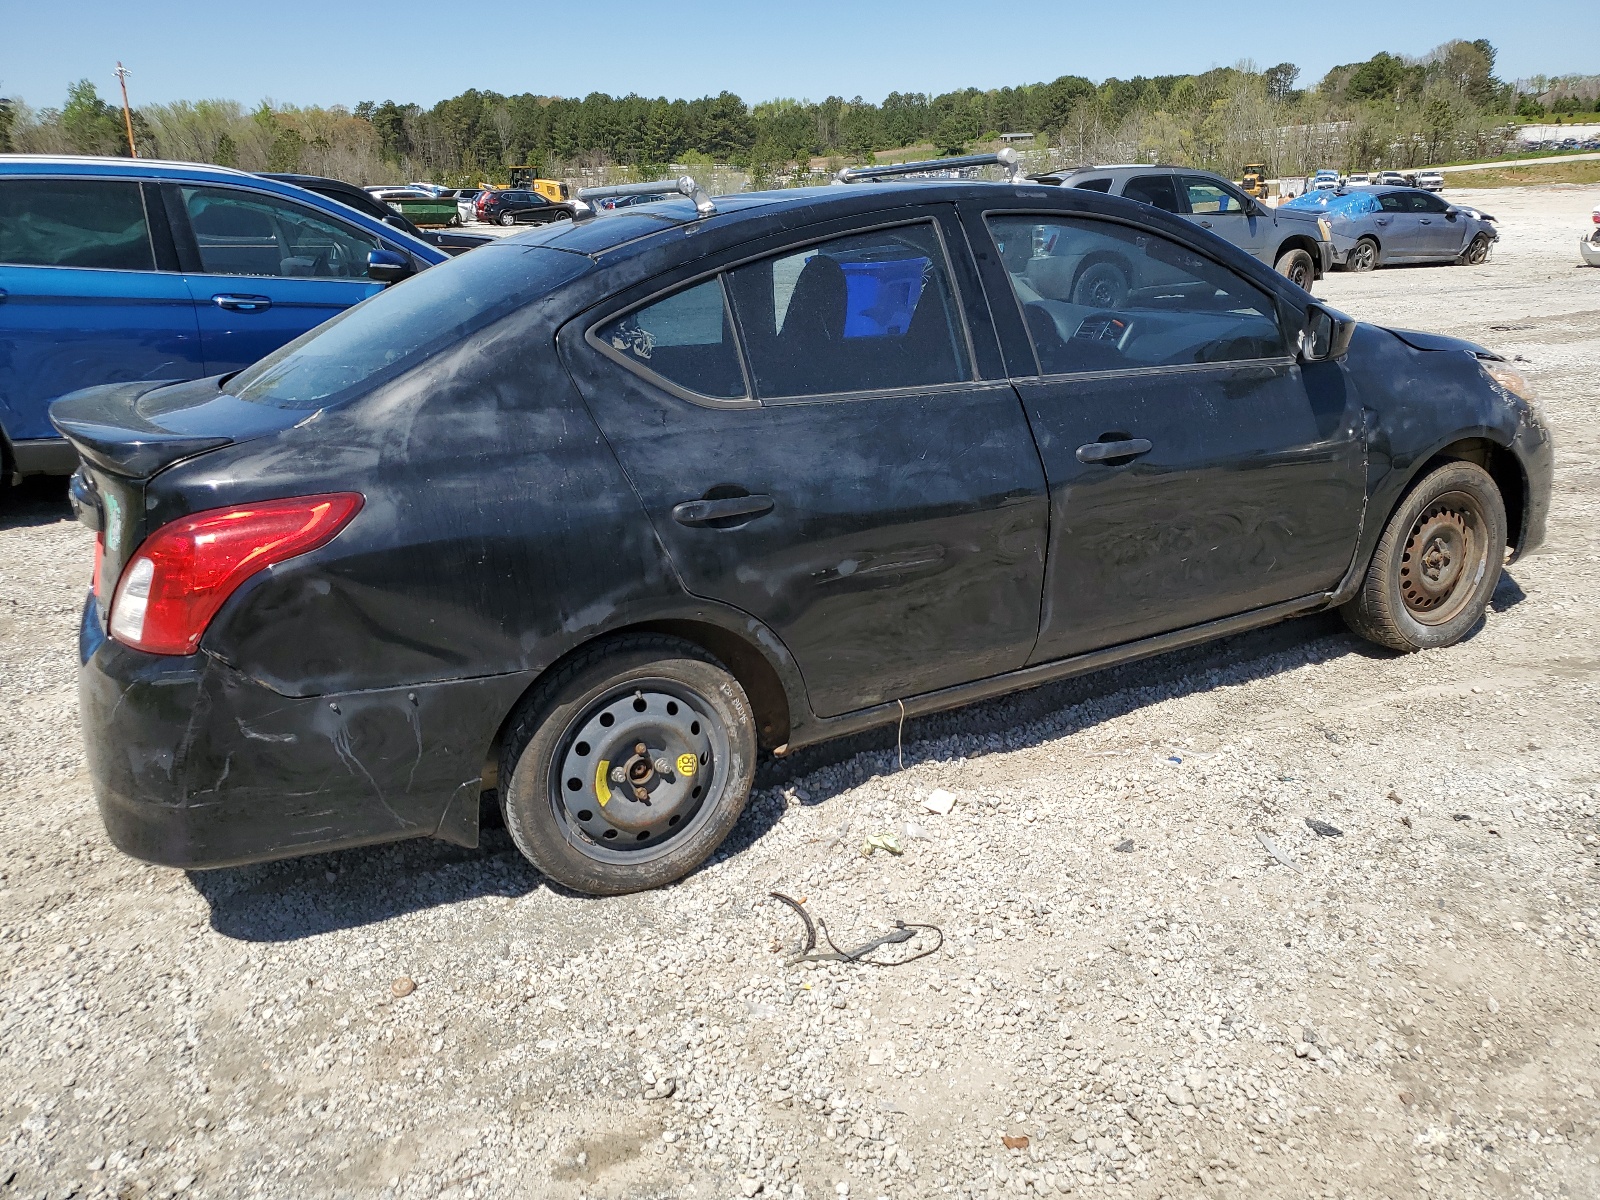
(684, 185)
(1005, 157)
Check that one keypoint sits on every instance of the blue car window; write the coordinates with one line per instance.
(404, 325)
(98, 223)
(1099, 296)
(861, 313)
(246, 233)
(685, 339)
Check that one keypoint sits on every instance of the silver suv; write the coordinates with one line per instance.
(1295, 244)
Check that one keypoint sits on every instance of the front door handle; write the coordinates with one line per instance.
(235, 303)
(704, 512)
(1127, 449)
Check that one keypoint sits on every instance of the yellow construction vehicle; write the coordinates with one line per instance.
(1254, 182)
(524, 180)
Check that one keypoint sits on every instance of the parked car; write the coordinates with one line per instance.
(1377, 226)
(1357, 179)
(467, 204)
(117, 269)
(363, 201)
(594, 515)
(1294, 244)
(520, 207)
(1430, 181)
(1392, 179)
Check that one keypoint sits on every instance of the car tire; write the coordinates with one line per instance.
(570, 763)
(507, 219)
(1101, 284)
(1436, 564)
(1363, 256)
(1296, 266)
(1477, 252)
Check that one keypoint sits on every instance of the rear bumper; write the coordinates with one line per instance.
(195, 765)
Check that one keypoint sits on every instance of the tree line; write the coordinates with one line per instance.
(1388, 110)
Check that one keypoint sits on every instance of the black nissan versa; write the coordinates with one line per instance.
(594, 515)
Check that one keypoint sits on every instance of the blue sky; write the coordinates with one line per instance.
(300, 52)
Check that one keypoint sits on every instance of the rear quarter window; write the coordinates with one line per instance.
(1095, 185)
(97, 223)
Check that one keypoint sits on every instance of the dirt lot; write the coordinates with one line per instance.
(1128, 981)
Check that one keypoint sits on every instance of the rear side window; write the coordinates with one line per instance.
(404, 325)
(866, 312)
(98, 223)
(243, 233)
(1099, 296)
(1155, 190)
(1095, 185)
(685, 339)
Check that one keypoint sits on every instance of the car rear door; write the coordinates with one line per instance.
(89, 294)
(1196, 470)
(863, 482)
(1401, 234)
(261, 269)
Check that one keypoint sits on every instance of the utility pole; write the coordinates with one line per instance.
(127, 113)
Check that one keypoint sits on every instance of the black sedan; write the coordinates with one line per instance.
(591, 517)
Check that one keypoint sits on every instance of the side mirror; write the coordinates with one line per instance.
(1452, 212)
(385, 266)
(1326, 334)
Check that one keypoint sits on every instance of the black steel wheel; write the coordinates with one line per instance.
(1101, 285)
(1363, 256)
(1296, 266)
(1436, 564)
(629, 766)
(1477, 253)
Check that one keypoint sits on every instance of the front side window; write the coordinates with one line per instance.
(1155, 190)
(1207, 198)
(686, 339)
(244, 233)
(866, 312)
(96, 223)
(1100, 296)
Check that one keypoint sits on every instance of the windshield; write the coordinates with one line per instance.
(401, 326)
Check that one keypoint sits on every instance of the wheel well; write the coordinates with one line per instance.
(1503, 468)
(747, 664)
(1300, 243)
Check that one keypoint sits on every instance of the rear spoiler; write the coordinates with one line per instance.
(106, 429)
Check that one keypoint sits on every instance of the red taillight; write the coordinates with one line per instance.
(183, 573)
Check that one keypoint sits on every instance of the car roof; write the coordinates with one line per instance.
(158, 170)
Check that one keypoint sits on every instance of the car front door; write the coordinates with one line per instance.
(262, 270)
(1442, 234)
(853, 482)
(89, 293)
(1196, 469)
(1227, 213)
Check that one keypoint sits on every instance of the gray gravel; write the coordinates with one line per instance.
(1155, 970)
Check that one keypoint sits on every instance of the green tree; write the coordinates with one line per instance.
(91, 125)
(955, 130)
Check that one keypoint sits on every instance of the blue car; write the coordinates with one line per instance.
(115, 270)
(1384, 226)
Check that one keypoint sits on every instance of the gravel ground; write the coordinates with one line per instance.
(1133, 997)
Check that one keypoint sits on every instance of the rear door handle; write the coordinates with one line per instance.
(703, 512)
(235, 303)
(1131, 448)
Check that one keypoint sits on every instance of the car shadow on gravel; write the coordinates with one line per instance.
(37, 500)
(305, 897)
